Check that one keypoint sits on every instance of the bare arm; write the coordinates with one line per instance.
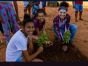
(38, 31)
(28, 57)
(44, 31)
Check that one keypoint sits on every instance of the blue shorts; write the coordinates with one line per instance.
(78, 7)
(19, 59)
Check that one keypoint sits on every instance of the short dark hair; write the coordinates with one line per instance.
(28, 20)
(63, 8)
(26, 16)
(39, 11)
(64, 4)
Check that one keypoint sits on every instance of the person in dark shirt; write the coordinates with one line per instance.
(39, 22)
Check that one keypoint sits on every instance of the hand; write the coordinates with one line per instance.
(30, 38)
(68, 30)
(64, 48)
(49, 43)
(35, 37)
(40, 49)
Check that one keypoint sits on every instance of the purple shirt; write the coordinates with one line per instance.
(38, 24)
(58, 25)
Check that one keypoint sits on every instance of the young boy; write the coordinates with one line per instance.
(39, 22)
(21, 45)
(78, 5)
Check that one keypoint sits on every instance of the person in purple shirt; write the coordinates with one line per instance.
(61, 24)
(39, 22)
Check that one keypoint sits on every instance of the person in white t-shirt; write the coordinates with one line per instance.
(21, 45)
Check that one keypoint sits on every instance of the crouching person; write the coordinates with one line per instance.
(20, 47)
(61, 25)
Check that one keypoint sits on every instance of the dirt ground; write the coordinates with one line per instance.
(80, 41)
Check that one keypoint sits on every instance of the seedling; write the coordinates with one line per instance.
(42, 39)
(66, 37)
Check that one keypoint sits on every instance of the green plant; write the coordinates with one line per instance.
(66, 36)
(42, 39)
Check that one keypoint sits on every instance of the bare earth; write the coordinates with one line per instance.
(81, 39)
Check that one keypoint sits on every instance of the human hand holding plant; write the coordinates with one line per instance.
(66, 36)
(44, 40)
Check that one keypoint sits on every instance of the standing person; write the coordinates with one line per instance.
(28, 7)
(9, 18)
(78, 5)
(21, 47)
(42, 6)
(31, 7)
(25, 6)
(61, 24)
(35, 7)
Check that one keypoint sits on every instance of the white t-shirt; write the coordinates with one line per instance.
(17, 44)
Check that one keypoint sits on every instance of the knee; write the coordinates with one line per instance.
(73, 27)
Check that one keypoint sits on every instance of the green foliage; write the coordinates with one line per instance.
(42, 39)
(66, 36)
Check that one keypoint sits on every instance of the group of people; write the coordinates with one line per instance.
(20, 47)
